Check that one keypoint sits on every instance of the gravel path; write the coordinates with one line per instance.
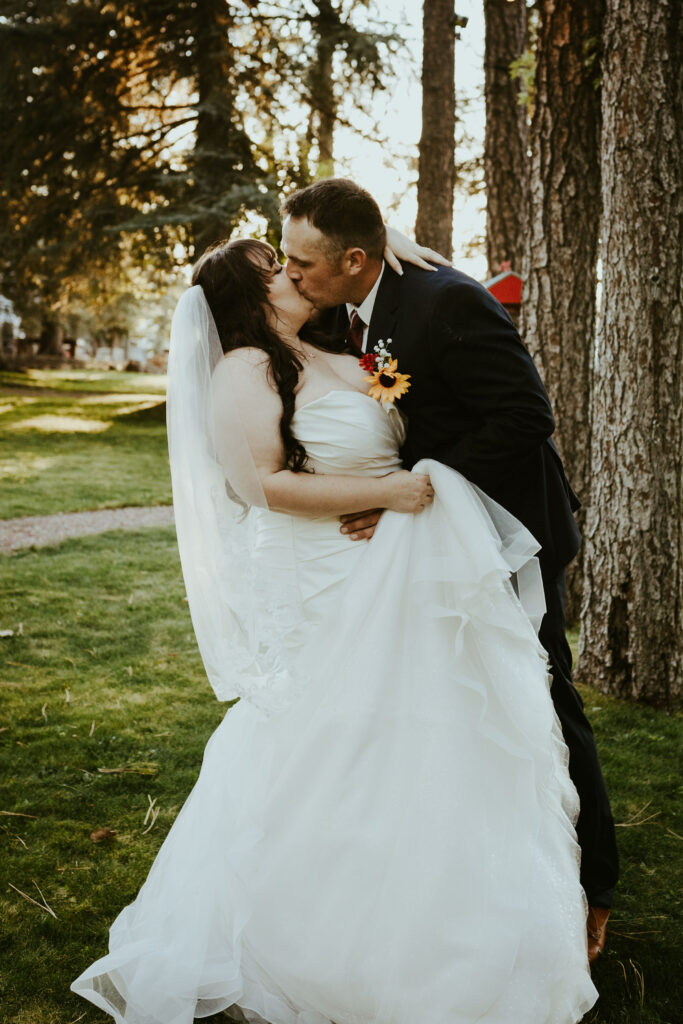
(41, 531)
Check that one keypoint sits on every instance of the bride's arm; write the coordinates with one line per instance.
(321, 494)
(249, 410)
(399, 246)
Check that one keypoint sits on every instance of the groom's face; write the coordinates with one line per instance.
(320, 278)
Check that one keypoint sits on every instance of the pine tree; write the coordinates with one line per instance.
(339, 60)
(505, 144)
(632, 622)
(436, 181)
(153, 125)
(558, 310)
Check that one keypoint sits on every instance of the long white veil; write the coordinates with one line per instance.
(243, 623)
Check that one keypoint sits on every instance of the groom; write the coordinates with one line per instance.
(477, 404)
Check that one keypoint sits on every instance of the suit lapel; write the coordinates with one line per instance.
(383, 323)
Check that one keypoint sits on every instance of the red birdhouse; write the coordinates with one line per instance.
(507, 288)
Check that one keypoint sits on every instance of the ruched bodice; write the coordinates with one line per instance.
(344, 433)
(347, 432)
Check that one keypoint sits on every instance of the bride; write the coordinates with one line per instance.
(382, 829)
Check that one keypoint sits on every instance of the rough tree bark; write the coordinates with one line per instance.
(505, 141)
(558, 308)
(632, 619)
(436, 179)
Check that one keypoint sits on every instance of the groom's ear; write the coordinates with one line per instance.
(354, 260)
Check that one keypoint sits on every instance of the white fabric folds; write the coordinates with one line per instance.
(397, 842)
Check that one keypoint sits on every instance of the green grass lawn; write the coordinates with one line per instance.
(81, 440)
(106, 381)
(106, 708)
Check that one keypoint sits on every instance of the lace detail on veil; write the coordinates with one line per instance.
(269, 619)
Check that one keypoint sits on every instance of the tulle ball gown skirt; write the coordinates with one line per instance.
(396, 845)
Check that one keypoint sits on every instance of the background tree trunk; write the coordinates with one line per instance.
(323, 98)
(558, 309)
(222, 155)
(51, 338)
(632, 624)
(505, 141)
(436, 180)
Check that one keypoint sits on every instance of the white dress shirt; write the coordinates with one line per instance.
(366, 307)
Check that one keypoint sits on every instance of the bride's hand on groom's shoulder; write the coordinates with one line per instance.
(400, 247)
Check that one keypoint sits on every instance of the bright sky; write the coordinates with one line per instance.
(391, 173)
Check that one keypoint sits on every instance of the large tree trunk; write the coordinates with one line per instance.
(505, 142)
(632, 623)
(558, 310)
(222, 156)
(322, 96)
(436, 180)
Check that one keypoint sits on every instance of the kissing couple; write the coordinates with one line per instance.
(373, 525)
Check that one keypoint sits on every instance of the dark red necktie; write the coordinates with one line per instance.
(355, 335)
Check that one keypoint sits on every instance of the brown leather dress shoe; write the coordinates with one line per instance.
(596, 925)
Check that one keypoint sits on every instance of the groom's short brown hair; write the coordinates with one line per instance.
(343, 212)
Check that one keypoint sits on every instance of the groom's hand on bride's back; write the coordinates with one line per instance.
(361, 525)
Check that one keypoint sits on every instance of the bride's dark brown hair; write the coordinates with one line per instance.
(235, 277)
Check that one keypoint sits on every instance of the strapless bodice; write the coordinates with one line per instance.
(344, 433)
(347, 432)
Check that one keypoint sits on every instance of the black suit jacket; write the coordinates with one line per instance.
(476, 401)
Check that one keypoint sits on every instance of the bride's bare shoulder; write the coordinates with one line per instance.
(241, 364)
(247, 371)
(251, 357)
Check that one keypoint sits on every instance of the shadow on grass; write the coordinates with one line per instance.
(151, 414)
(66, 453)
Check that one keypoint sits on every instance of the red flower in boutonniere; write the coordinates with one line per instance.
(387, 383)
(368, 361)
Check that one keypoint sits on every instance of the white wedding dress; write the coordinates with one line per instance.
(396, 845)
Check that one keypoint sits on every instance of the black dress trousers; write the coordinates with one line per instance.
(595, 827)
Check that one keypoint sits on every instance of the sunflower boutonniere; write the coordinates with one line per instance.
(387, 383)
